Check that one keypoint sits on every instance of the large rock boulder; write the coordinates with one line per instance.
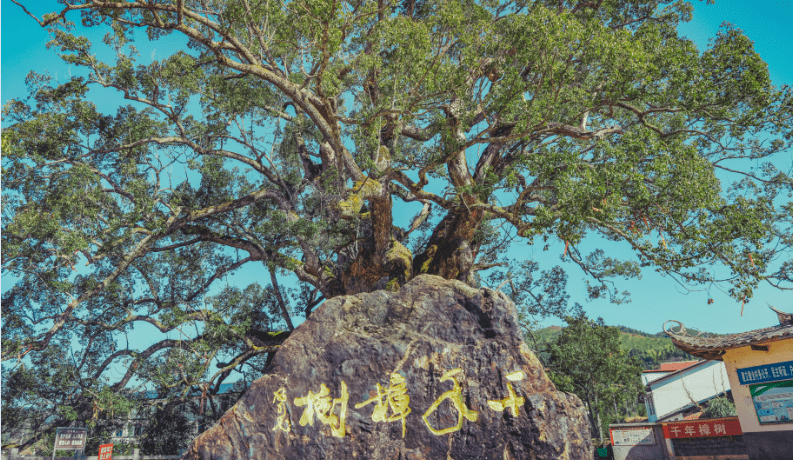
(437, 370)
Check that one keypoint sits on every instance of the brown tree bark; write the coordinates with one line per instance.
(451, 252)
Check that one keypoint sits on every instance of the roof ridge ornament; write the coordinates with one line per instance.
(681, 329)
(785, 319)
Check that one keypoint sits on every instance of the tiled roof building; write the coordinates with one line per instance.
(759, 365)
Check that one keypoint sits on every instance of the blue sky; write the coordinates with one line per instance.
(655, 298)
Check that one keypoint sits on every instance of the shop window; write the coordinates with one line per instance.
(648, 401)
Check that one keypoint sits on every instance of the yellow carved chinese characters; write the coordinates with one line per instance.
(282, 423)
(395, 397)
(322, 405)
(456, 397)
(513, 402)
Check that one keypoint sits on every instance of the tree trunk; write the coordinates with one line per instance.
(600, 429)
(451, 250)
(599, 424)
(378, 260)
(592, 415)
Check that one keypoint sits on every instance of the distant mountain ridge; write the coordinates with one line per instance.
(661, 335)
(650, 349)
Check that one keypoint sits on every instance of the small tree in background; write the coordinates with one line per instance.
(44, 395)
(586, 359)
(719, 407)
(169, 431)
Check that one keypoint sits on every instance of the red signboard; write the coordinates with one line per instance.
(105, 452)
(702, 428)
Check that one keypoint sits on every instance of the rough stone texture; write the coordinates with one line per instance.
(428, 328)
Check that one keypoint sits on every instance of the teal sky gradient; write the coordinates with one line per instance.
(655, 298)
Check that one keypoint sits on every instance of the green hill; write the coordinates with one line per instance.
(651, 350)
(629, 330)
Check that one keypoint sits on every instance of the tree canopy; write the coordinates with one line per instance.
(293, 137)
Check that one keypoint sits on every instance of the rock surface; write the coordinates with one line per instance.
(437, 370)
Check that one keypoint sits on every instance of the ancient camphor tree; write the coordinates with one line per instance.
(286, 136)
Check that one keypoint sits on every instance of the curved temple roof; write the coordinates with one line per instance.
(715, 347)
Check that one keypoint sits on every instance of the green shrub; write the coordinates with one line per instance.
(719, 407)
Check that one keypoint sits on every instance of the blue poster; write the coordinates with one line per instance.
(766, 373)
(773, 402)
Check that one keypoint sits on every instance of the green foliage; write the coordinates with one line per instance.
(650, 350)
(168, 432)
(719, 407)
(586, 358)
(290, 138)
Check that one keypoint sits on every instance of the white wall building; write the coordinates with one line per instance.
(649, 376)
(665, 369)
(674, 391)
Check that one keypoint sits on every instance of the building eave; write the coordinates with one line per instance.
(714, 348)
